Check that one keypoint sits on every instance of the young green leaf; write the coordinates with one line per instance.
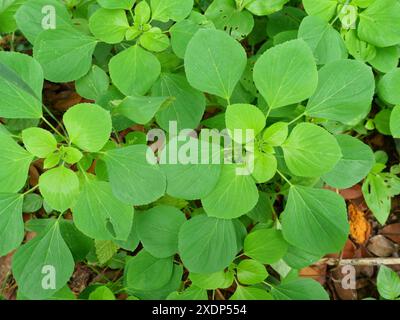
(59, 188)
(324, 9)
(39, 142)
(315, 220)
(388, 87)
(244, 117)
(388, 283)
(94, 84)
(212, 281)
(395, 122)
(14, 165)
(164, 10)
(158, 230)
(286, 74)
(154, 40)
(134, 176)
(109, 26)
(356, 163)
(43, 266)
(7, 12)
(105, 250)
(88, 125)
(140, 109)
(276, 134)
(214, 73)
(120, 4)
(34, 14)
(251, 293)
(145, 272)
(251, 271)
(179, 92)
(102, 293)
(21, 83)
(311, 151)
(299, 289)
(98, 214)
(65, 53)
(380, 23)
(11, 223)
(324, 41)
(134, 70)
(265, 167)
(233, 196)
(263, 8)
(265, 245)
(344, 92)
(206, 244)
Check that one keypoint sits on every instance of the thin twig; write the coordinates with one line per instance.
(360, 261)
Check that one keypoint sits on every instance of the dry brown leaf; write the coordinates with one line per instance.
(360, 228)
(392, 231)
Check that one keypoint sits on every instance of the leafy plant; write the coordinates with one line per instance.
(304, 87)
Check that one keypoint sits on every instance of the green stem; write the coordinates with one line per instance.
(54, 129)
(31, 190)
(284, 178)
(297, 118)
(12, 42)
(54, 118)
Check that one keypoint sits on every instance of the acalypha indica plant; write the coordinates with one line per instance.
(301, 76)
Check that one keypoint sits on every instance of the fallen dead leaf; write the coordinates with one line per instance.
(392, 231)
(360, 228)
(381, 246)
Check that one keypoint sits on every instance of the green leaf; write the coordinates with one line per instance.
(145, 272)
(102, 293)
(357, 161)
(14, 165)
(359, 49)
(8, 8)
(395, 122)
(311, 151)
(154, 40)
(133, 239)
(158, 230)
(233, 196)
(325, 42)
(134, 176)
(134, 71)
(251, 271)
(244, 117)
(380, 23)
(265, 245)
(120, 4)
(315, 220)
(276, 134)
(88, 126)
(388, 283)
(100, 215)
(164, 10)
(59, 188)
(32, 203)
(299, 289)
(21, 83)
(191, 293)
(377, 196)
(142, 13)
(214, 73)
(386, 59)
(225, 16)
(179, 92)
(286, 74)
(206, 244)
(299, 259)
(39, 142)
(30, 17)
(11, 223)
(251, 293)
(105, 250)
(265, 167)
(65, 53)
(187, 179)
(388, 87)
(94, 84)
(212, 281)
(71, 155)
(263, 8)
(344, 92)
(140, 109)
(183, 31)
(324, 9)
(38, 261)
(109, 26)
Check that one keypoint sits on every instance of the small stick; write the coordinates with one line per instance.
(360, 262)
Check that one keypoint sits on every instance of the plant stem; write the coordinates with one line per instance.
(54, 118)
(297, 118)
(360, 262)
(284, 178)
(54, 129)
(31, 190)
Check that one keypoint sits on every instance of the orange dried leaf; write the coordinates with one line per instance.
(360, 228)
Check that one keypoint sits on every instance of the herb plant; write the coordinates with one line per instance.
(307, 78)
